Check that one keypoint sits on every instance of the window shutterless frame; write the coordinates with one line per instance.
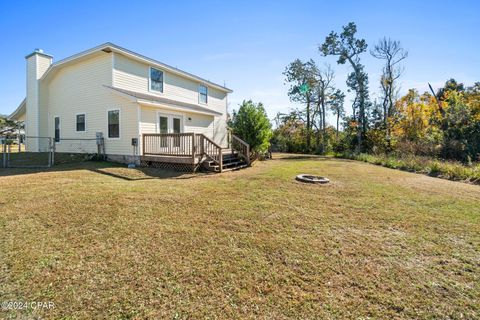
(57, 129)
(84, 122)
(150, 80)
(202, 94)
(119, 124)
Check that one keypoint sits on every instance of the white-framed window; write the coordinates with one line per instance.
(56, 121)
(156, 80)
(113, 123)
(80, 122)
(202, 94)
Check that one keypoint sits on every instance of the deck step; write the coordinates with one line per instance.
(232, 164)
(235, 168)
(230, 161)
(231, 169)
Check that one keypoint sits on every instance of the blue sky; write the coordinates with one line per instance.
(244, 44)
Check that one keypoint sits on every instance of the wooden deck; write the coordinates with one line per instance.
(190, 150)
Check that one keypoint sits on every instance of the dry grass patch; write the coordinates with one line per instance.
(103, 241)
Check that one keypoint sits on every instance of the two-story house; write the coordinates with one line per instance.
(124, 95)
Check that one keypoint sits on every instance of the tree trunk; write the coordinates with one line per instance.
(324, 125)
(361, 107)
(338, 121)
(309, 125)
(319, 128)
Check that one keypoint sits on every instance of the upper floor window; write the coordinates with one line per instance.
(80, 123)
(114, 124)
(203, 94)
(156, 80)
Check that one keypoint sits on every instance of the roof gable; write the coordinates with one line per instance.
(110, 47)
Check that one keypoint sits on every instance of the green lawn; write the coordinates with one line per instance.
(101, 241)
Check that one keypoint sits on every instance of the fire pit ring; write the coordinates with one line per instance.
(309, 178)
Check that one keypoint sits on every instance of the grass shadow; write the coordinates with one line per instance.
(106, 168)
(139, 174)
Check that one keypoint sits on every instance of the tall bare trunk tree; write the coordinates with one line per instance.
(392, 53)
(323, 89)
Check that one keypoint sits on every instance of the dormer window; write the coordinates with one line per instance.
(203, 94)
(156, 80)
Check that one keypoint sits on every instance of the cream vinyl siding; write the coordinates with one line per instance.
(22, 117)
(198, 123)
(210, 126)
(43, 64)
(79, 88)
(132, 75)
(36, 108)
(32, 98)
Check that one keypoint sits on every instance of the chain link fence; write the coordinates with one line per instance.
(29, 152)
(3, 151)
(75, 150)
(44, 152)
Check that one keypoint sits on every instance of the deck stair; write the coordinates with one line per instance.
(231, 161)
(191, 150)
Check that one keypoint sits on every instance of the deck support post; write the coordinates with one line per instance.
(220, 159)
(54, 149)
(4, 147)
(193, 152)
(50, 153)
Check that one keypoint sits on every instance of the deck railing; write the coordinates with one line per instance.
(241, 147)
(211, 150)
(168, 144)
(181, 145)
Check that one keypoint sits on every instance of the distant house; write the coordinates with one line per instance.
(123, 95)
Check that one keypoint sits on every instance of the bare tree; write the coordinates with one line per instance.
(323, 88)
(392, 53)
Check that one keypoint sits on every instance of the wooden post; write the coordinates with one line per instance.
(99, 150)
(4, 147)
(220, 159)
(248, 154)
(103, 149)
(193, 152)
(50, 153)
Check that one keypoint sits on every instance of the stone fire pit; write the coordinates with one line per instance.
(308, 178)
